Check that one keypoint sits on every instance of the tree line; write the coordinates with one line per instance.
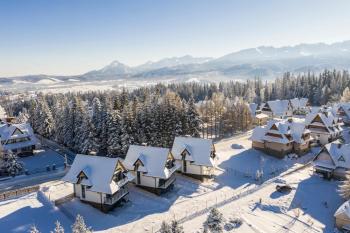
(108, 122)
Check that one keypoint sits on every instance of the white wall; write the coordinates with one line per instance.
(196, 169)
(145, 180)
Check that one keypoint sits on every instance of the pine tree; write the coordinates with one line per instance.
(346, 95)
(58, 228)
(11, 164)
(214, 221)
(33, 229)
(176, 227)
(193, 120)
(79, 226)
(114, 141)
(165, 228)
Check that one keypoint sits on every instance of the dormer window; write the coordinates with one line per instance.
(341, 158)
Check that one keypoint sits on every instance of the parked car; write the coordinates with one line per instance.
(283, 188)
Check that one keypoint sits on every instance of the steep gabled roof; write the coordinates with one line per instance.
(340, 154)
(298, 103)
(294, 128)
(327, 118)
(199, 149)
(343, 209)
(99, 172)
(153, 158)
(278, 107)
(16, 131)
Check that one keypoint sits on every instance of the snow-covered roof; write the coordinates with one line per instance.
(99, 171)
(199, 150)
(253, 107)
(292, 127)
(17, 131)
(298, 103)
(346, 108)
(339, 153)
(343, 209)
(153, 160)
(7, 131)
(278, 107)
(329, 120)
(261, 116)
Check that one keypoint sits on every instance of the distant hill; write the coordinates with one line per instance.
(265, 61)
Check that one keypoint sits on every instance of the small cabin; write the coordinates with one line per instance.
(324, 127)
(153, 167)
(333, 160)
(18, 138)
(196, 156)
(342, 217)
(99, 181)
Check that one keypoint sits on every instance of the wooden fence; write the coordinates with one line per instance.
(18, 192)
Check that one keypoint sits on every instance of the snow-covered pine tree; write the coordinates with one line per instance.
(23, 116)
(89, 142)
(79, 116)
(193, 120)
(33, 229)
(58, 228)
(45, 121)
(214, 221)
(114, 141)
(165, 228)
(11, 164)
(346, 95)
(176, 227)
(126, 135)
(79, 226)
(68, 126)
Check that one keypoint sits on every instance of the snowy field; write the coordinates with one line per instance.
(235, 191)
(41, 159)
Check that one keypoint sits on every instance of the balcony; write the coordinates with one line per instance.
(165, 183)
(116, 197)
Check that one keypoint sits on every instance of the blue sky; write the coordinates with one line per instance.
(74, 36)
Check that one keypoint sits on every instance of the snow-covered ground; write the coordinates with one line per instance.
(41, 159)
(235, 191)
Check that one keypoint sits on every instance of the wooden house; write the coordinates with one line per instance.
(99, 181)
(342, 217)
(153, 167)
(333, 160)
(19, 138)
(281, 137)
(196, 156)
(324, 126)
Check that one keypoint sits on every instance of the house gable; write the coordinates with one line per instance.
(317, 119)
(17, 131)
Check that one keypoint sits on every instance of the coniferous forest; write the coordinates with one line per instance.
(108, 122)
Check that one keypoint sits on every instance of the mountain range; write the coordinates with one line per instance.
(265, 61)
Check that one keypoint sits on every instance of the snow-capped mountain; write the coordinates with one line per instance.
(264, 61)
(171, 62)
(114, 68)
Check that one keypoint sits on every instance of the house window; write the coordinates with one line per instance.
(341, 158)
(83, 191)
(170, 163)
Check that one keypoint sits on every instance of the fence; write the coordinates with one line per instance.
(222, 198)
(18, 192)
